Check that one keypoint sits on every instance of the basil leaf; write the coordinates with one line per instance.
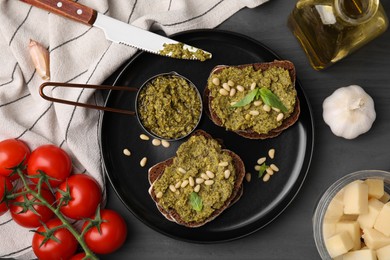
(247, 99)
(263, 167)
(271, 99)
(196, 201)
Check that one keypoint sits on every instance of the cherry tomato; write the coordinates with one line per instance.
(29, 219)
(5, 187)
(53, 161)
(12, 153)
(113, 233)
(85, 196)
(79, 256)
(52, 249)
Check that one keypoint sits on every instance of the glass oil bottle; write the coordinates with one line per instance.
(329, 30)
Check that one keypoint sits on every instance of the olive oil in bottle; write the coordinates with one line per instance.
(329, 30)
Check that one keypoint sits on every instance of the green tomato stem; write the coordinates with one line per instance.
(79, 237)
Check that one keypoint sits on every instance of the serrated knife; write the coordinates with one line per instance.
(118, 31)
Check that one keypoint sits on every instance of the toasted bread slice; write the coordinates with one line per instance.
(156, 171)
(249, 132)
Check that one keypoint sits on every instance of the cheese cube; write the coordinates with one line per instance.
(339, 244)
(383, 253)
(335, 210)
(353, 229)
(368, 220)
(356, 198)
(376, 188)
(385, 198)
(363, 254)
(382, 222)
(328, 229)
(375, 239)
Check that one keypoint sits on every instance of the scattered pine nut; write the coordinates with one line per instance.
(197, 188)
(156, 142)
(159, 195)
(279, 117)
(275, 109)
(223, 164)
(226, 86)
(257, 103)
(199, 180)
(142, 163)
(191, 181)
(177, 185)
(172, 188)
(266, 108)
(181, 170)
(230, 83)
(257, 168)
(232, 92)
(215, 81)
(271, 153)
(274, 167)
(126, 152)
(210, 174)
(240, 88)
(266, 177)
(184, 183)
(253, 85)
(269, 171)
(261, 160)
(254, 112)
(209, 182)
(223, 92)
(144, 137)
(165, 143)
(226, 174)
(233, 103)
(204, 176)
(248, 177)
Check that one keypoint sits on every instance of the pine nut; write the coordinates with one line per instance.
(226, 86)
(177, 185)
(126, 152)
(204, 176)
(209, 182)
(247, 117)
(142, 163)
(269, 171)
(279, 117)
(231, 83)
(199, 180)
(266, 108)
(226, 174)
(210, 174)
(215, 81)
(191, 181)
(233, 103)
(223, 92)
(248, 177)
(197, 188)
(261, 160)
(254, 112)
(266, 177)
(181, 170)
(275, 109)
(257, 103)
(159, 195)
(232, 92)
(184, 183)
(144, 137)
(271, 153)
(223, 164)
(274, 167)
(253, 85)
(172, 188)
(165, 143)
(156, 142)
(257, 168)
(240, 88)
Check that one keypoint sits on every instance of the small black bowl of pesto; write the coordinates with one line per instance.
(169, 106)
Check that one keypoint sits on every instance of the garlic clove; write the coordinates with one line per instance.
(349, 112)
(41, 59)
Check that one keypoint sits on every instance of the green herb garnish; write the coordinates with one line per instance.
(263, 167)
(196, 201)
(266, 95)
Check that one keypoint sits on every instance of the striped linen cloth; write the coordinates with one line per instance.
(78, 54)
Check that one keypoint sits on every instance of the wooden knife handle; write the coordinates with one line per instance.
(66, 8)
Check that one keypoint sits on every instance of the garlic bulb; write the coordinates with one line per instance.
(349, 112)
(40, 57)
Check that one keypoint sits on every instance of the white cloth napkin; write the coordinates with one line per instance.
(78, 54)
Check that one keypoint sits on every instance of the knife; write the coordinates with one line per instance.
(120, 32)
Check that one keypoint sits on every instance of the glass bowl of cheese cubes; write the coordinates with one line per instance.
(352, 218)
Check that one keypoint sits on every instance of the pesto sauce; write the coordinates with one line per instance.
(169, 107)
(275, 79)
(178, 51)
(197, 155)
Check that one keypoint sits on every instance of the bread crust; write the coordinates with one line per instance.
(156, 171)
(249, 133)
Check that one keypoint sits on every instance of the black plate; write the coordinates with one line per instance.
(261, 202)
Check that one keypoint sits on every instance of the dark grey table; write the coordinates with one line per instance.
(290, 235)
